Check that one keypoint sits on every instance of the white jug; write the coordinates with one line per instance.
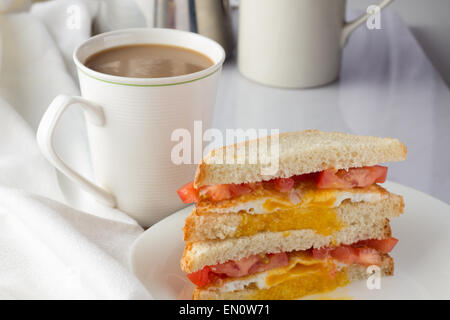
(293, 43)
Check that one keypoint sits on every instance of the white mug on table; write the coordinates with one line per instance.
(130, 121)
(293, 43)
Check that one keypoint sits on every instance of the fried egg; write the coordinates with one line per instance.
(301, 271)
(270, 201)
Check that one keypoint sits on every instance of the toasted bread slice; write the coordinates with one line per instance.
(298, 153)
(324, 221)
(211, 252)
(294, 288)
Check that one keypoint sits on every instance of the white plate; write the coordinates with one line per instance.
(422, 256)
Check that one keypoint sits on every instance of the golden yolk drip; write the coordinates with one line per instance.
(298, 269)
(313, 212)
(323, 221)
(298, 287)
(318, 198)
(301, 281)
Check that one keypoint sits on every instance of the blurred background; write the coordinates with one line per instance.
(429, 21)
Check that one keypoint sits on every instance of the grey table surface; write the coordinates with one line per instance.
(387, 87)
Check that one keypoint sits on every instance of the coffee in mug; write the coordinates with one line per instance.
(148, 61)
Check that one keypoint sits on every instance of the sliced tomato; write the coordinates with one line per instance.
(221, 192)
(353, 177)
(380, 172)
(383, 245)
(365, 176)
(229, 268)
(329, 180)
(306, 177)
(345, 254)
(359, 253)
(217, 192)
(322, 253)
(368, 256)
(270, 261)
(283, 184)
(200, 278)
(187, 193)
(249, 265)
(240, 189)
(237, 268)
(350, 255)
(254, 185)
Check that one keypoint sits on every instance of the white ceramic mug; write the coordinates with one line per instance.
(130, 121)
(293, 43)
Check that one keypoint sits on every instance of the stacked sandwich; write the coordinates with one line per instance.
(316, 224)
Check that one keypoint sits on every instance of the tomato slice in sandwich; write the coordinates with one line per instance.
(201, 277)
(364, 252)
(350, 255)
(217, 192)
(239, 268)
(187, 193)
(353, 177)
(283, 184)
(345, 254)
(383, 245)
(368, 256)
(221, 192)
(251, 264)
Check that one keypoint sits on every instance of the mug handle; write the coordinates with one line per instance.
(351, 26)
(45, 133)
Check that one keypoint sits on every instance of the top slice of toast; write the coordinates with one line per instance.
(294, 153)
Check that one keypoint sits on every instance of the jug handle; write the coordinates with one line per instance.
(351, 26)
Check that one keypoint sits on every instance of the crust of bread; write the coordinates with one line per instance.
(299, 152)
(354, 273)
(203, 253)
(200, 227)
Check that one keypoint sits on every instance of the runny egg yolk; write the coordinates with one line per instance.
(301, 278)
(315, 211)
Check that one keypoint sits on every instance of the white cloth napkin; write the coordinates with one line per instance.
(55, 241)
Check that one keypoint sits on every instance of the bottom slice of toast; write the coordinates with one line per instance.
(294, 287)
